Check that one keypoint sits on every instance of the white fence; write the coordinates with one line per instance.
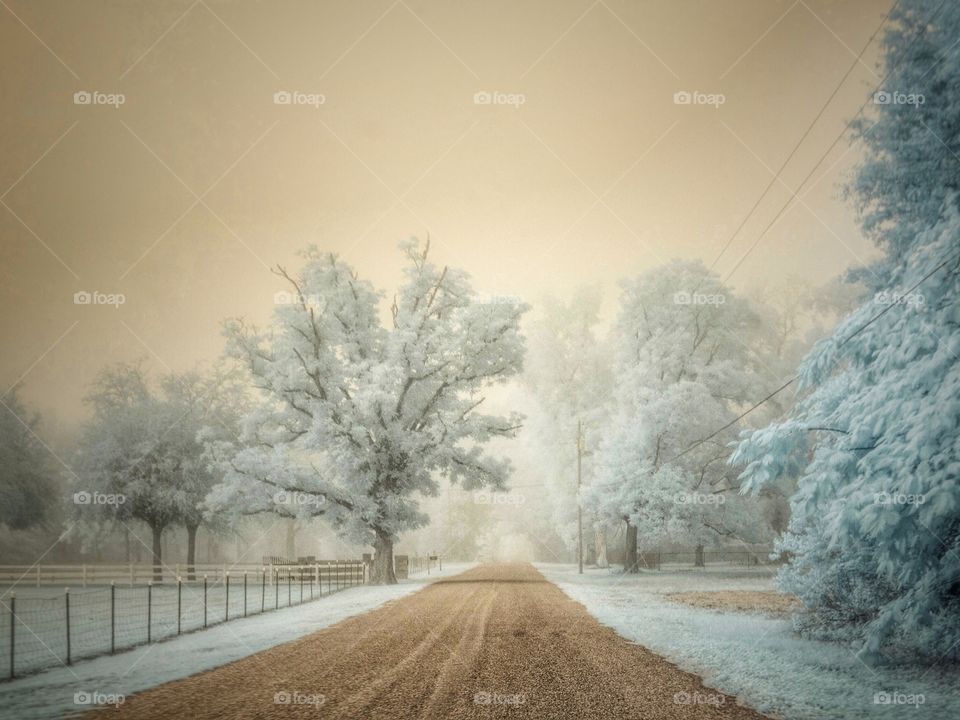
(141, 574)
(99, 609)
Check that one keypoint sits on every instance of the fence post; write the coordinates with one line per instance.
(328, 578)
(83, 576)
(288, 587)
(244, 593)
(337, 566)
(204, 600)
(149, 610)
(131, 575)
(13, 625)
(263, 591)
(226, 608)
(179, 593)
(67, 598)
(113, 617)
(38, 576)
(301, 584)
(276, 589)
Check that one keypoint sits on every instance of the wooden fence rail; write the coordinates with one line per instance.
(84, 575)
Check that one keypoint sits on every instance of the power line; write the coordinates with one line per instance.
(792, 380)
(803, 137)
(833, 144)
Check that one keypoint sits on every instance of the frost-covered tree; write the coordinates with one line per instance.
(689, 353)
(141, 455)
(28, 490)
(875, 436)
(569, 373)
(194, 409)
(360, 419)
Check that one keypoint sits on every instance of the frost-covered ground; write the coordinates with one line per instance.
(54, 693)
(757, 658)
(41, 615)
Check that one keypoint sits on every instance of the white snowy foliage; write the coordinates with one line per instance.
(875, 437)
(688, 353)
(359, 420)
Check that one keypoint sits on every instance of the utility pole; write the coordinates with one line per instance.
(579, 503)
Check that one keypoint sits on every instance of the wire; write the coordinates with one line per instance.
(803, 137)
(824, 156)
(792, 380)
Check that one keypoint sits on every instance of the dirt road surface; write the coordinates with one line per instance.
(495, 641)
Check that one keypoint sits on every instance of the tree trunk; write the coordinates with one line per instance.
(630, 563)
(157, 553)
(382, 572)
(698, 557)
(600, 542)
(191, 551)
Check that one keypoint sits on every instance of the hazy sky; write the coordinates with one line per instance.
(184, 195)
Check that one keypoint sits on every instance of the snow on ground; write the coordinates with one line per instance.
(41, 615)
(56, 692)
(754, 657)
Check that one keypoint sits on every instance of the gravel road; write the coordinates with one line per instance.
(495, 641)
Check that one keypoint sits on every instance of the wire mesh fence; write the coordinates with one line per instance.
(37, 632)
(657, 560)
